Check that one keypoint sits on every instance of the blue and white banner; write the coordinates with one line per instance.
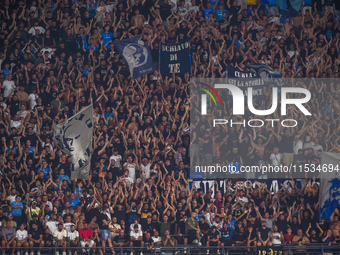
(137, 56)
(329, 194)
(273, 185)
(74, 137)
(263, 71)
(245, 79)
(175, 58)
(234, 72)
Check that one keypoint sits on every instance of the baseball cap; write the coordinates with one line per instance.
(10, 214)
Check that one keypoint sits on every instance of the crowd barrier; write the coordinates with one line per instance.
(311, 249)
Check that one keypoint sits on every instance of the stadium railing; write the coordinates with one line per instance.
(311, 249)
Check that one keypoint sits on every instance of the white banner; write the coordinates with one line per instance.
(74, 137)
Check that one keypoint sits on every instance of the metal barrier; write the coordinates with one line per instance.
(311, 249)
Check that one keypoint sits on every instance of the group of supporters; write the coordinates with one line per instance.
(57, 57)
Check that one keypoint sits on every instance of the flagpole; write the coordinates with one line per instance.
(140, 87)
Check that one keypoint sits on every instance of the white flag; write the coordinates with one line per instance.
(74, 137)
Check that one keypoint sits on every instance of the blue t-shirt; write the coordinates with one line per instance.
(214, 2)
(219, 14)
(92, 12)
(85, 72)
(45, 170)
(231, 226)
(6, 72)
(18, 211)
(75, 202)
(107, 115)
(206, 12)
(64, 177)
(106, 38)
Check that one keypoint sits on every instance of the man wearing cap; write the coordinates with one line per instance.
(33, 210)
(148, 226)
(10, 219)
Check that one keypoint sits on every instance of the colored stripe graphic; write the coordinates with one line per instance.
(213, 90)
(208, 92)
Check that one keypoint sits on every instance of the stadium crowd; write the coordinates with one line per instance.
(58, 56)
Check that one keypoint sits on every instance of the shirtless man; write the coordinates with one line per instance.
(138, 20)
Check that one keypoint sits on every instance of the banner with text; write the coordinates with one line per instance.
(245, 79)
(175, 58)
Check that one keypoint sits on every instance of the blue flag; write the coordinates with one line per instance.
(329, 191)
(137, 56)
(175, 58)
(263, 71)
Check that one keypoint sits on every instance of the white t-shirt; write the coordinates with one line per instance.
(276, 159)
(156, 239)
(316, 148)
(8, 87)
(32, 30)
(4, 105)
(59, 235)
(308, 145)
(132, 169)
(117, 158)
(15, 123)
(276, 238)
(132, 226)
(73, 235)
(22, 114)
(67, 226)
(243, 200)
(207, 218)
(52, 226)
(11, 199)
(33, 100)
(21, 235)
(146, 169)
(136, 235)
(297, 145)
(129, 180)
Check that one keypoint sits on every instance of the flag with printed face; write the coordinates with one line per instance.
(137, 55)
(329, 190)
(74, 138)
